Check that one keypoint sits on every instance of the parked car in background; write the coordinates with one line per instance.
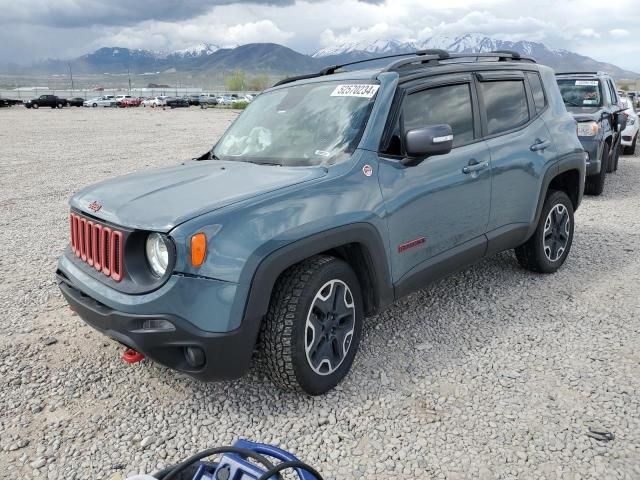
(593, 100)
(225, 100)
(75, 102)
(104, 101)
(177, 102)
(194, 100)
(324, 203)
(52, 101)
(207, 101)
(129, 102)
(9, 102)
(630, 133)
(155, 102)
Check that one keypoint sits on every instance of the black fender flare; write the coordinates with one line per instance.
(264, 271)
(572, 161)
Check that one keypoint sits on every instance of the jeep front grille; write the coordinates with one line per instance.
(97, 245)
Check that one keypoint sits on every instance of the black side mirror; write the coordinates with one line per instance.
(421, 143)
(622, 121)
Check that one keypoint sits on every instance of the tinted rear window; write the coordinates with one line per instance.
(505, 103)
(539, 99)
(449, 104)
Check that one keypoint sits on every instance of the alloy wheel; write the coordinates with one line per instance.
(329, 327)
(556, 232)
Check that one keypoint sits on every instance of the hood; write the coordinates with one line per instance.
(585, 114)
(161, 199)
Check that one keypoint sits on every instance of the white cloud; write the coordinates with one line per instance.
(588, 33)
(619, 33)
(173, 36)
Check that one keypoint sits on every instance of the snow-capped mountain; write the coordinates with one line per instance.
(378, 47)
(559, 59)
(198, 50)
(279, 60)
(471, 42)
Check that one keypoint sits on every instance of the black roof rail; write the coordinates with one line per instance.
(580, 73)
(501, 55)
(332, 68)
(514, 55)
(433, 56)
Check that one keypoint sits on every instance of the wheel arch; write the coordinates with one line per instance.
(568, 181)
(562, 175)
(358, 244)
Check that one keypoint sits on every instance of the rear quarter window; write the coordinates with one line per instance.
(505, 104)
(539, 99)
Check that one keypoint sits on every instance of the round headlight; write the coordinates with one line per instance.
(157, 253)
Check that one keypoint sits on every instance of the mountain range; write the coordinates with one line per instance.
(276, 59)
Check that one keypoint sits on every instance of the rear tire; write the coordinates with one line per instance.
(548, 247)
(594, 184)
(310, 335)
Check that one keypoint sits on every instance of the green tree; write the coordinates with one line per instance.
(235, 82)
(259, 82)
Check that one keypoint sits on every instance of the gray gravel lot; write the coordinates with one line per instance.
(492, 373)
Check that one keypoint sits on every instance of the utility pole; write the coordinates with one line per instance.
(71, 75)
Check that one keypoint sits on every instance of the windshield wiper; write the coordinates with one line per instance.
(568, 102)
(261, 162)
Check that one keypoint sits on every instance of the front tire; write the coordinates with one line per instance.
(613, 164)
(549, 246)
(35, 106)
(310, 335)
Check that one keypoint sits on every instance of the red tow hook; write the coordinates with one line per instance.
(131, 356)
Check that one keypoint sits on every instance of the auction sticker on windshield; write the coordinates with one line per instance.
(593, 83)
(355, 90)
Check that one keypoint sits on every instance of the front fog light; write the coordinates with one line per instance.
(158, 324)
(157, 253)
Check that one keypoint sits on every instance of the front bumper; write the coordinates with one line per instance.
(592, 146)
(219, 356)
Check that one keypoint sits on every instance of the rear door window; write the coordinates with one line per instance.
(449, 104)
(505, 104)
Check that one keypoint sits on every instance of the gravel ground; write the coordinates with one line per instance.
(509, 370)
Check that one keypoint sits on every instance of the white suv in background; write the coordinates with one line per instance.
(630, 133)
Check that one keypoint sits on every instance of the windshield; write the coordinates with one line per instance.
(580, 93)
(302, 125)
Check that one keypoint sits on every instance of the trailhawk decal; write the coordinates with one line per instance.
(355, 90)
(591, 83)
(412, 244)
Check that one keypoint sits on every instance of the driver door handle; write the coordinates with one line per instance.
(540, 145)
(474, 166)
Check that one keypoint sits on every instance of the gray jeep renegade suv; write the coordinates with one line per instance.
(331, 196)
(593, 100)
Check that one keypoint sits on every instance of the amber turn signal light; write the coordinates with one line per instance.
(198, 249)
